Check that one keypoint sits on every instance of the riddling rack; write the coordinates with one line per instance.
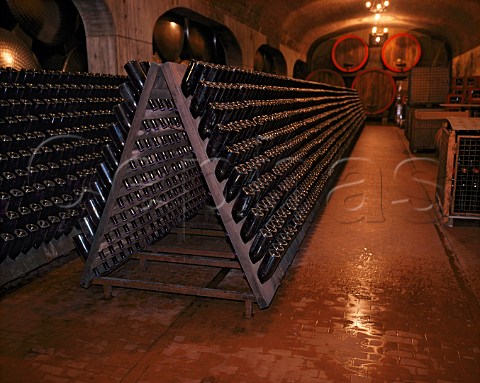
(149, 180)
(267, 147)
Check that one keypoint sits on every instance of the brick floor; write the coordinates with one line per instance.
(371, 297)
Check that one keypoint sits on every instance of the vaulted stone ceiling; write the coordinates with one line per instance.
(302, 22)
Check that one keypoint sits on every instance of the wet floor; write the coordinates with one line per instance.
(379, 292)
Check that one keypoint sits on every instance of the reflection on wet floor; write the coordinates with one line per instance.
(371, 297)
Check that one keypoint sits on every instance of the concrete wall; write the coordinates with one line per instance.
(128, 32)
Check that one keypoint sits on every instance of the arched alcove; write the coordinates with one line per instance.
(270, 60)
(300, 69)
(182, 34)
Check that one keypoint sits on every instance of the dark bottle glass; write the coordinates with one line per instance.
(252, 224)
(118, 136)
(74, 215)
(221, 136)
(10, 221)
(260, 244)
(226, 162)
(130, 94)
(194, 73)
(145, 65)
(4, 202)
(93, 210)
(64, 222)
(204, 93)
(47, 208)
(111, 156)
(6, 241)
(82, 246)
(43, 230)
(32, 230)
(105, 174)
(88, 228)
(36, 210)
(54, 222)
(4, 162)
(245, 200)
(17, 246)
(269, 264)
(124, 115)
(210, 119)
(235, 182)
(100, 192)
(136, 74)
(24, 214)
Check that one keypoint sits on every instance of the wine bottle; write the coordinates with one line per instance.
(260, 244)
(251, 224)
(269, 264)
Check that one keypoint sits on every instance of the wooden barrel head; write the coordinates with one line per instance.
(376, 89)
(326, 76)
(200, 39)
(401, 52)
(168, 37)
(349, 53)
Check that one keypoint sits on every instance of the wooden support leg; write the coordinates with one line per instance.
(142, 264)
(107, 291)
(248, 309)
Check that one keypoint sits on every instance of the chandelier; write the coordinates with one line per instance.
(377, 7)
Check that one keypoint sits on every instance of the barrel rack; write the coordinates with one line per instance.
(164, 82)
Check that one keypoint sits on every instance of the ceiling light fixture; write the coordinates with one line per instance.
(377, 7)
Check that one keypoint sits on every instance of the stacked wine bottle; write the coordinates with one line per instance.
(273, 143)
(53, 126)
(149, 180)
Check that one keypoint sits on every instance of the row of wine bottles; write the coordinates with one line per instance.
(53, 126)
(271, 141)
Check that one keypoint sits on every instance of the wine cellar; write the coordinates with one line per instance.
(213, 192)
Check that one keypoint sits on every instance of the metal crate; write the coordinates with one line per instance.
(458, 177)
(466, 199)
(428, 85)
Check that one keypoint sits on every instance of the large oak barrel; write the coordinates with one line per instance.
(326, 76)
(349, 53)
(401, 52)
(201, 41)
(376, 89)
(168, 37)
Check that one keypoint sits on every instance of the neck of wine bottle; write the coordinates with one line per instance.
(82, 246)
(136, 74)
